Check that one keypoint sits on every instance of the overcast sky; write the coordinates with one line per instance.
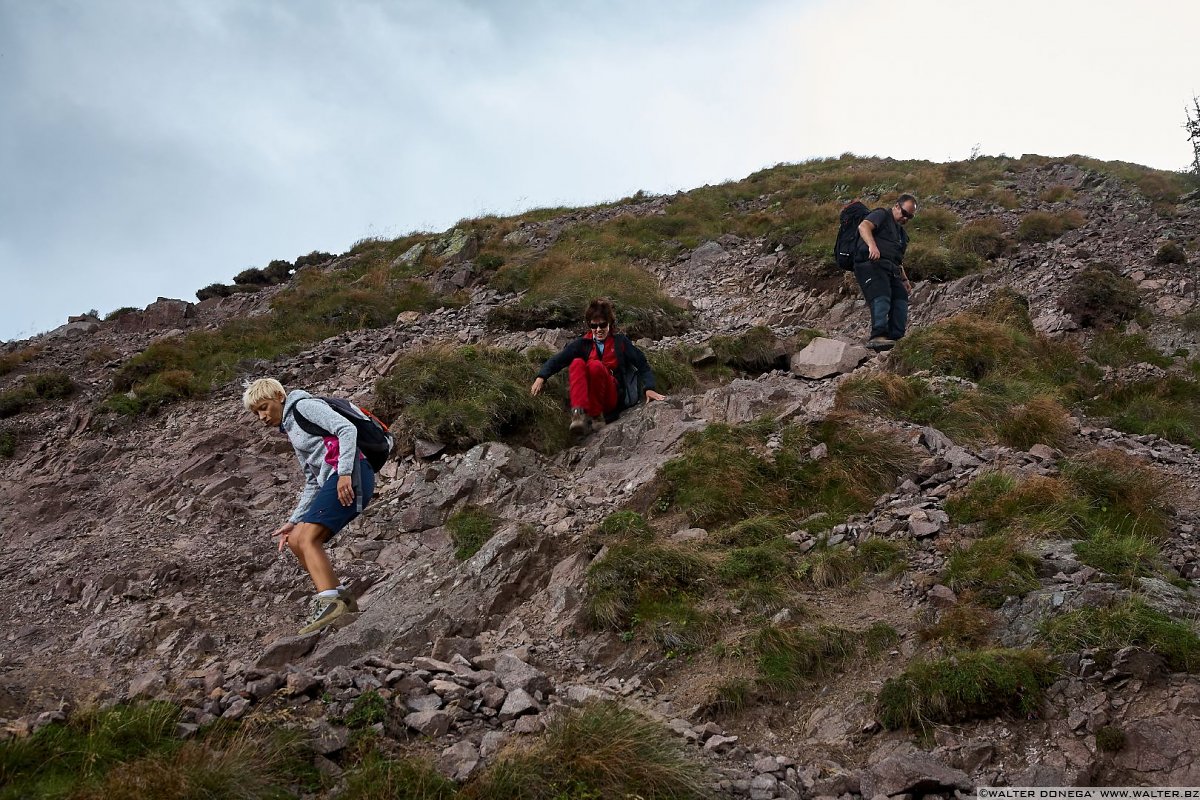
(152, 147)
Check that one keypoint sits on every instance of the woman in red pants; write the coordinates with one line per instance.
(607, 373)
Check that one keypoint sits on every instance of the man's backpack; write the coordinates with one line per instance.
(373, 437)
(847, 237)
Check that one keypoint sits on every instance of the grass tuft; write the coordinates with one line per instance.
(470, 528)
(1127, 623)
(467, 395)
(968, 685)
(635, 572)
(991, 570)
(598, 751)
(1098, 297)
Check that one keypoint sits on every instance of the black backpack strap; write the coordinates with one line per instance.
(311, 428)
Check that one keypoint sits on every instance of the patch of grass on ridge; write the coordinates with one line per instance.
(316, 304)
(968, 685)
(1125, 623)
(726, 473)
(470, 528)
(466, 395)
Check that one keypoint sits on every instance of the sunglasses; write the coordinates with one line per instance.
(904, 212)
(597, 325)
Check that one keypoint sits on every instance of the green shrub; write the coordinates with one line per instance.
(752, 531)
(991, 570)
(560, 289)
(1056, 194)
(962, 626)
(725, 473)
(1126, 495)
(1127, 556)
(120, 312)
(1170, 253)
(968, 685)
(754, 351)
(924, 262)
(792, 658)
(1110, 739)
(10, 361)
(369, 708)
(1097, 297)
(1041, 226)
(625, 524)
(470, 528)
(1006, 306)
(672, 370)
(1118, 350)
(1126, 623)
(466, 395)
(828, 567)
(635, 572)
(50, 385)
(964, 345)
(378, 777)
(8, 444)
(767, 562)
(598, 751)
(1169, 408)
(982, 237)
(14, 401)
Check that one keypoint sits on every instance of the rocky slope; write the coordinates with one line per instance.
(138, 560)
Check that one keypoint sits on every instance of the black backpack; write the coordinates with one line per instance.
(847, 237)
(373, 438)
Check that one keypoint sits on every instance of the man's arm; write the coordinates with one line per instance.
(866, 229)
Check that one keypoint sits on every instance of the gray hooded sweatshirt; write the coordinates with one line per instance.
(311, 450)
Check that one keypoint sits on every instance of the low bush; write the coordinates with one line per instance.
(1121, 624)
(1114, 349)
(131, 751)
(636, 572)
(792, 658)
(983, 238)
(1056, 194)
(470, 528)
(1169, 408)
(755, 351)
(925, 262)
(1098, 297)
(8, 444)
(598, 751)
(672, 370)
(120, 312)
(968, 685)
(1170, 253)
(1124, 556)
(560, 288)
(991, 569)
(379, 777)
(466, 395)
(963, 626)
(10, 361)
(369, 708)
(1042, 226)
(726, 473)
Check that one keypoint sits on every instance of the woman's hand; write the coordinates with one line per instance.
(345, 490)
(283, 532)
(653, 395)
(538, 383)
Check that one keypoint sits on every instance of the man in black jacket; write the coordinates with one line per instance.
(878, 270)
(605, 371)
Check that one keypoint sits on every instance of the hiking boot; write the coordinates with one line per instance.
(324, 611)
(347, 598)
(579, 421)
(598, 423)
(881, 343)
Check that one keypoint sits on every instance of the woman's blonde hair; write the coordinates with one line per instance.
(261, 389)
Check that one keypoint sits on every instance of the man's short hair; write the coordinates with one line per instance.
(261, 389)
(904, 198)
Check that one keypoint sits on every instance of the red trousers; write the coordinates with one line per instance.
(593, 388)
